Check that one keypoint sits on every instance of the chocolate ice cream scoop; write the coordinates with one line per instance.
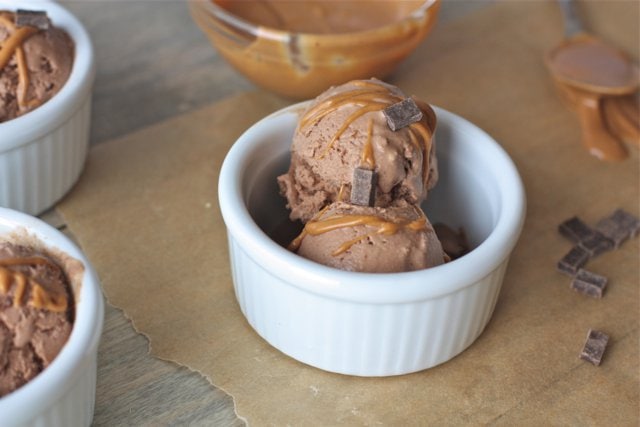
(354, 126)
(36, 314)
(370, 239)
(35, 62)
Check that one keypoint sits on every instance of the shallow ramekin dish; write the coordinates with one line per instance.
(43, 152)
(302, 65)
(63, 394)
(371, 324)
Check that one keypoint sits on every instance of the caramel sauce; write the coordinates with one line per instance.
(321, 16)
(334, 222)
(586, 69)
(306, 46)
(367, 152)
(340, 196)
(40, 297)
(369, 96)
(589, 64)
(43, 299)
(11, 46)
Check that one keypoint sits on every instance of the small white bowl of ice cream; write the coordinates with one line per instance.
(51, 318)
(46, 80)
(359, 322)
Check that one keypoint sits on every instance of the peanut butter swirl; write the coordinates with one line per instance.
(39, 297)
(378, 225)
(13, 45)
(369, 96)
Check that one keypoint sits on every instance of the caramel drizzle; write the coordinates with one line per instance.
(333, 222)
(40, 297)
(367, 159)
(14, 45)
(340, 196)
(370, 96)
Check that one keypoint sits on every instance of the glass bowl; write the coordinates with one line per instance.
(301, 65)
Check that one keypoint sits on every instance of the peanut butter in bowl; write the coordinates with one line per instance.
(298, 49)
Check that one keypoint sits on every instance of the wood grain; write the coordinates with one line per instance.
(134, 388)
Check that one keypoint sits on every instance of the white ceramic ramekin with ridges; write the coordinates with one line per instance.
(43, 152)
(63, 394)
(364, 323)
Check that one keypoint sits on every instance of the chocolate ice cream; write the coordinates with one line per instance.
(35, 61)
(345, 128)
(371, 239)
(362, 161)
(36, 314)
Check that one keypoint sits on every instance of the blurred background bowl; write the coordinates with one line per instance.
(43, 152)
(300, 65)
(63, 394)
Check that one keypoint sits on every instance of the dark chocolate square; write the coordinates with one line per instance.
(612, 230)
(575, 230)
(627, 221)
(32, 18)
(402, 114)
(594, 346)
(596, 244)
(589, 283)
(573, 260)
(363, 187)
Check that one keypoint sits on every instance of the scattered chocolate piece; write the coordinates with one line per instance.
(611, 229)
(589, 283)
(454, 243)
(625, 219)
(402, 114)
(575, 230)
(594, 347)
(622, 222)
(573, 260)
(596, 244)
(363, 187)
(32, 18)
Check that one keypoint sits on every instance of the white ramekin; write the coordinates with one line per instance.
(43, 152)
(362, 323)
(63, 394)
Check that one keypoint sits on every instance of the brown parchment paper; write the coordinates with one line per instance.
(146, 213)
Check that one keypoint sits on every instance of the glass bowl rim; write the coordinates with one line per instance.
(248, 27)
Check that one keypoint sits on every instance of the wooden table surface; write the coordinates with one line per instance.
(154, 63)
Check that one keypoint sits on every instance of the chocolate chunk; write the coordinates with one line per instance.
(589, 283)
(32, 18)
(596, 244)
(573, 260)
(611, 229)
(594, 347)
(402, 114)
(363, 187)
(619, 226)
(575, 230)
(626, 220)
